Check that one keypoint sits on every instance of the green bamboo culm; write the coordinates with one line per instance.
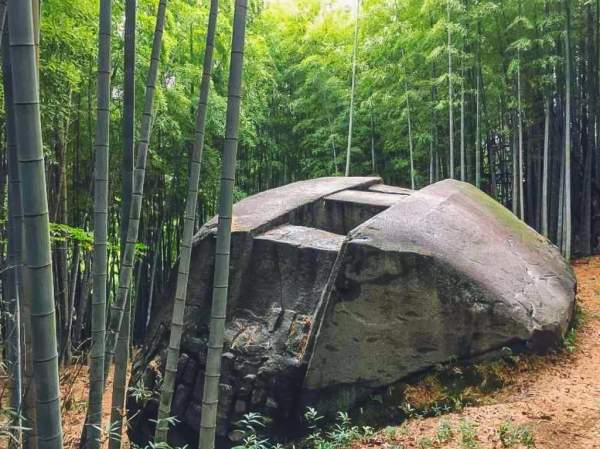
(168, 385)
(128, 120)
(37, 258)
(92, 433)
(566, 239)
(127, 259)
(212, 374)
(117, 410)
(352, 89)
(3, 7)
(12, 286)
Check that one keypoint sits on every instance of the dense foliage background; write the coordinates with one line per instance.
(296, 108)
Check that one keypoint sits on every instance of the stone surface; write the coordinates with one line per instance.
(446, 273)
(342, 285)
(389, 189)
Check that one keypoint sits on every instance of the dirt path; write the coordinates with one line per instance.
(555, 406)
(74, 391)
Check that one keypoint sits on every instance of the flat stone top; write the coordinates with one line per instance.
(390, 189)
(263, 210)
(459, 225)
(301, 236)
(365, 197)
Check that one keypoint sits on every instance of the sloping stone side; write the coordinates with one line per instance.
(446, 273)
(278, 272)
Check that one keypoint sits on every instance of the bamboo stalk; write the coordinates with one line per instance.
(210, 398)
(37, 257)
(128, 129)
(14, 248)
(188, 232)
(127, 259)
(92, 434)
(352, 89)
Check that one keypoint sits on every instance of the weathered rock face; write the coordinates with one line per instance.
(446, 273)
(342, 285)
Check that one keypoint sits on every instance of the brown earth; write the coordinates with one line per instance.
(74, 386)
(552, 403)
(74, 392)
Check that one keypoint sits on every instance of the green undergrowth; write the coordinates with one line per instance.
(446, 388)
(570, 340)
(321, 435)
(462, 435)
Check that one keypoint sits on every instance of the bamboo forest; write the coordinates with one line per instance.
(313, 224)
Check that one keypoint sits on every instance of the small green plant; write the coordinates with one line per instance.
(249, 425)
(570, 340)
(458, 402)
(468, 435)
(113, 433)
(140, 393)
(410, 411)
(511, 435)
(152, 445)
(339, 436)
(425, 443)
(444, 432)
(342, 434)
(390, 432)
(314, 421)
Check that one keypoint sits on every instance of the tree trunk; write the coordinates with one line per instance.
(450, 95)
(332, 136)
(545, 168)
(12, 281)
(373, 168)
(128, 121)
(157, 251)
(462, 123)
(477, 112)
(520, 160)
(492, 169)
(352, 89)
(188, 229)
(61, 247)
(127, 260)
(3, 5)
(117, 411)
(567, 194)
(586, 203)
(210, 398)
(515, 177)
(410, 137)
(91, 435)
(128, 130)
(37, 258)
(72, 290)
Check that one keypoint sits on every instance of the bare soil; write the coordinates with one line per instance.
(74, 389)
